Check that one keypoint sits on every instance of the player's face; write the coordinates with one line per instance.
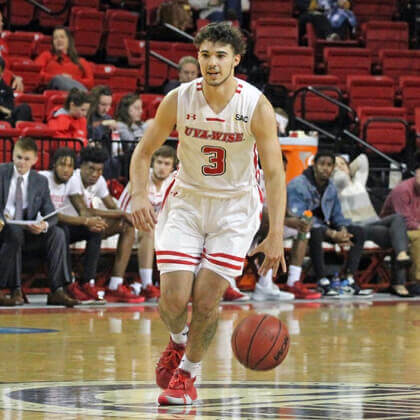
(60, 41)
(323, 168)
(91, 172)
(63, 168)
(188, 72)
(104, 105)
(24, 159)
(217, 62)
(162, 167)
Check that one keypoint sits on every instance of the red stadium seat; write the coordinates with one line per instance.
(134, 49)
(36, 102)
(40, 44)
(388, 129)
(392, 35)
(417, 126)
(410, 94)
(102, 73)
(316, 108)
(286, 61)
(21, 13)
(54, 98)
(151, 102)
(374, 10)
(396, 63)
(29, 71)
(280, 32)
(20, 43)
(119, 24)
(370, 91)
(270, 8)
(150, 8)
(201, 23)
(50, 21)
(86, 3)
(86, 25)
(123, 80)
(342, 62)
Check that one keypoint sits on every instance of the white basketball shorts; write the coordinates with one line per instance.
(196, 231)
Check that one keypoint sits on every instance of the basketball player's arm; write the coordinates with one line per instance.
(264, 128)
(144, 217)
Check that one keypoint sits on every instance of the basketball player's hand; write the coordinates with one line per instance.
(129, 218)
(143, 213)
(272, 248)
(96, 224)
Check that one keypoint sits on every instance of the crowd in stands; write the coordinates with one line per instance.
(333, 189)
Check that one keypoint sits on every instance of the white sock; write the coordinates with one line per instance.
(136, 286)
(180, 338)
(146, 276)
(114, 282)
(294, 275)
(265, 281)
(92, 282)
(192, 368)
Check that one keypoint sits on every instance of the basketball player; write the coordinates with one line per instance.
(161, 175)
(212, 209)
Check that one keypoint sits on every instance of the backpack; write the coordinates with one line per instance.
(177, 13)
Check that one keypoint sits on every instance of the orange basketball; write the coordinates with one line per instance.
(260, 342)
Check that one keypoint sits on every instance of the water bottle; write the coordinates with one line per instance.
(307, 217)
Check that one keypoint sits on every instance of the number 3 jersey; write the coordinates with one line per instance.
(217, 152)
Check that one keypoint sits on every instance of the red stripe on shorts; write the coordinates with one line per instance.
(167, 192)
(231, 257)
(223, 264)
(178, 254)
(170, 261)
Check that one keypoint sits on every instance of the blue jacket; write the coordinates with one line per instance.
(302, 195)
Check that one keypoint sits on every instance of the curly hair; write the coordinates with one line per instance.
(95, 154)
(224, 33)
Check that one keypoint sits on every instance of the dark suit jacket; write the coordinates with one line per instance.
(39, 199)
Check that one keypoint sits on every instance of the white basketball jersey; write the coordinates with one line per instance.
(217, 152)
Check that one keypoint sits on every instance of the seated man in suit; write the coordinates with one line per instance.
(23, 195)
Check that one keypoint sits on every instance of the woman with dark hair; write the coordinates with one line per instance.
(70, 121)
(128, 116)
(62, 68)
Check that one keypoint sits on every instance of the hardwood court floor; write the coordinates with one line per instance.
(348, 360)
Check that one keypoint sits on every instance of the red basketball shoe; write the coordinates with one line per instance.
(180, 391)
(122, 294)
(168, 362)
(76, 292)
(151, 293)
(301, 291)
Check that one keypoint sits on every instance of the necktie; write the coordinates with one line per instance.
(19, 199)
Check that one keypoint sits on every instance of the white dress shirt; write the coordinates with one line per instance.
(10, 205)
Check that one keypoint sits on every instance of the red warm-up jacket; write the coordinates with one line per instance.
(67, 126)
(52, 66)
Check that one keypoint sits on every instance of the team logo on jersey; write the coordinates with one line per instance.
(191, 116)
(239, 117)
(198, 133)
(216, 400)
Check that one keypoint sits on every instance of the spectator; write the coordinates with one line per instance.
(404, 199)
(213, 10)
(99, 121)
(128, 115)
(313, 11)
(87, 185)
(188, 71)
(8, 111)
(70, 121)
(341, 18)
(314, 191)
(76, 228)
(161, 175)
(388, 232)
(24, 196)
(293, 228)
(62, 68)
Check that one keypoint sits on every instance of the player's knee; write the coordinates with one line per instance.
(205, 305)
(173, 302)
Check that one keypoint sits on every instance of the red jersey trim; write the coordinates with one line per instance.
(178, 254)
